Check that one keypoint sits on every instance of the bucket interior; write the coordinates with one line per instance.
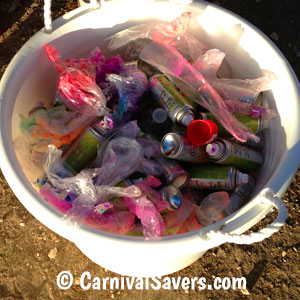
(33, 78)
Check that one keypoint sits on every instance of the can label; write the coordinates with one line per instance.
(172, 172)
(240, 196)
(190, 153)
(242, 157)
(83, 152)
(167, 96)
(253, 124)
(250, 143)
(211, 177)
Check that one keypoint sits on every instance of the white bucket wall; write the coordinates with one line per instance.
(30, 78)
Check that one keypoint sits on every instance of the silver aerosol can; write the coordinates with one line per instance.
(173, 173)
(259, 146)
(225, 153)
(177, 146)
(172, 194)
(179, 108)
(240, 196)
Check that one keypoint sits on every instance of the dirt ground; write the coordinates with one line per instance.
(28, 267)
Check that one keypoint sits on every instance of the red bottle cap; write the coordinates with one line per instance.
(201, 132)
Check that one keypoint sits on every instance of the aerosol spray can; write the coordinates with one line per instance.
(255, 99)
(179, 109)
(250, 143)
(83, 151)
(240, 196)
(173, 173)
(254, 124)
(177, 146)
(213, 177)
(225, 153)
(172, 194)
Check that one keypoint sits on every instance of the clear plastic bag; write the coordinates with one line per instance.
(147, 188)
(56, 125)
(173, 33)
(254, 111)
(212, 208)
(175, 219)
(231, 89)
(131, 85)
(82, 185)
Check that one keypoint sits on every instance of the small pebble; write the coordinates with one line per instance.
(283, 253)
(295, 249)
(22, 224)
(52, 253)
(245, 292)
(186, 291)
(274, 36)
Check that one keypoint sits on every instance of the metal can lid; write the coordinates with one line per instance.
(173, 196)
(170, 144)
(179, 179)
(159, 115)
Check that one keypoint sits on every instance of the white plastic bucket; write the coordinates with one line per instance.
(30, 78)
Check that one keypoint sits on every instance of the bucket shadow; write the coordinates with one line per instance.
(253, 276)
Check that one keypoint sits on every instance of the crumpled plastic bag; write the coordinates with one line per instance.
(105, 66)
(131, 85)
(175, 219)
(82, 185)
(145, 210)
(255, 111)
(170, 61)
(110, 219)
(174, 34)
(231, 89)
(212, 208)
(56, 125)
(147, 188)
(77, 85)
(122, 157)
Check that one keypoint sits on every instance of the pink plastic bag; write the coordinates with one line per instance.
(150, 218)
(77, 84)
(231, 89)
(173, 33)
